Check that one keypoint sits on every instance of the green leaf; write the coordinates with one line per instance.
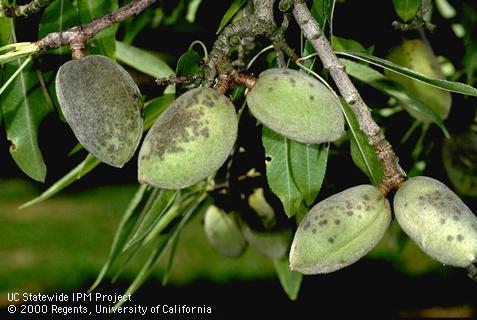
(88, 164)
(60, 15)
(342, 44)
(456, 87)
(192, 10)
(104, 42)
(5, 29)
(128, 221)
(198, 206)
(279, 174)
(362, 152)
(233, 9)
(406, 9)
(154, 108)
(189, 63)
(322, 11)
(169, 237)
(142, 60)
(290, 280)
(379, 81)
(308, 168)
(153, 212)
(23, 108)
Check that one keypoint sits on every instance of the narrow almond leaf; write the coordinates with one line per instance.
(362, 152)
(60, 15)
(161, 243)
(192, 10)
(198, 206)
(308, 168)
(290, 280)
(279, 175)
(5, 29)
(322, 11)
(189, 63)
(233, 9)
(104, 42)
(153, 109)
(406, 9)
(146, 267)
(380, 82)
(451, 86)
(159, 206)
(23, 108)
(142, 60)
(88, 164)
(126, 225)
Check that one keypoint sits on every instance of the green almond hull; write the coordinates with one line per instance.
(102, 104)
(223, 233)
(189, 141)
(459, 154)
(437, 220)
(296, 106)
(416, 55)
(340, 230)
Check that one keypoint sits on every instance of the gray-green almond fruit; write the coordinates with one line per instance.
(417, 55)
(223, 232)
(437, 220)
(189, 141)
(296, 106)
(102, 104)
(340, 230)
(459, 154)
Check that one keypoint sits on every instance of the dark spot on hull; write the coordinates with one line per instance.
(366, 197)
(349, 213)
(313, 230)
(323, 222)
(450, 238)
(337, 221)
(306, 225)
(331, 240)
(460, 238)
(442, 221)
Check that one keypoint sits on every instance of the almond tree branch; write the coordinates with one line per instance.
(26, 9)
(260, 23)
(77, 37)
(393, 173)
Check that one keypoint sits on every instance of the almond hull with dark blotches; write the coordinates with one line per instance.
(102, 104)
(340, 230)
(189, 141)
(437, 220)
